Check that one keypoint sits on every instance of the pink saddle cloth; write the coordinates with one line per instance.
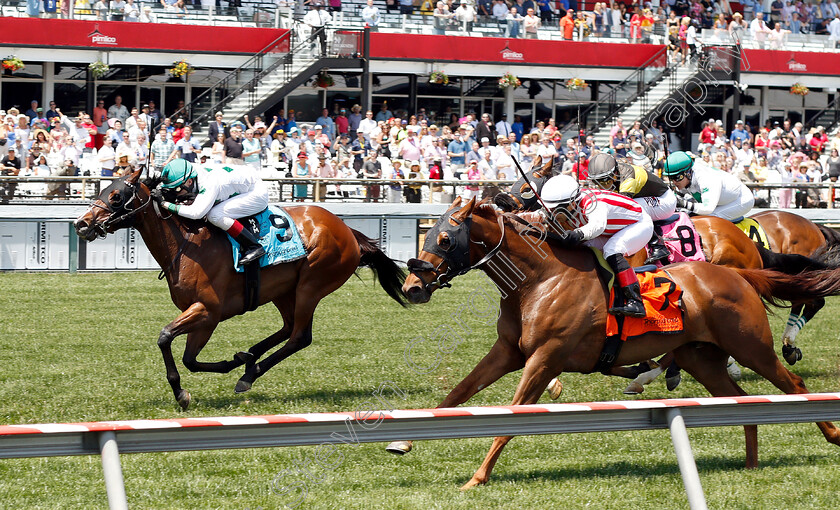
(682, 241)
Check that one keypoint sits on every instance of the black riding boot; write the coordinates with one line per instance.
(249, 247)
(658, 250)
(627, 282)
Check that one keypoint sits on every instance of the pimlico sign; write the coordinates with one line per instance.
(99, 39)
(509, 54)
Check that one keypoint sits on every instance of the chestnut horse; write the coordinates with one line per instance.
(198, 264)
(725, 244)
(790, 233)
(554, 320)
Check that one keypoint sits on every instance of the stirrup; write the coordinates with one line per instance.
(631, 308)
(252, 255)
(657, 252)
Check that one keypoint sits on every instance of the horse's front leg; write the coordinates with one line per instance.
(195, 317)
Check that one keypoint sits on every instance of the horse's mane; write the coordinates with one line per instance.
(536, 225)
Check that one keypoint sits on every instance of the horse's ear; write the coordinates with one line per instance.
(134, 177)
(456, 202)
(546, 169)
(465, 211)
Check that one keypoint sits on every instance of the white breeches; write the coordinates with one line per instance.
(661, 207)
(627, 241)
(736, 208)
(251, 202)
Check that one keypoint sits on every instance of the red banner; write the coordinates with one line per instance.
(790, 62)
(508, 51)
(121, 35)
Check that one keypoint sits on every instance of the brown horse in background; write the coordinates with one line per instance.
(198, 264)
(554, 320)
(790, 233)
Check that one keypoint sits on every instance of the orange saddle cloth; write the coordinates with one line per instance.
(663, 303)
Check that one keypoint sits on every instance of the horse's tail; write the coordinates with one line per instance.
(775, 287)
(832, 237)
(790, 263)
(390, 275)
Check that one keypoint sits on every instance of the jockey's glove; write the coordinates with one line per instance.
(682, 203)
(157, 195)
(571, 239)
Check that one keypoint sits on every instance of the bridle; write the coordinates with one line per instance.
(456, 257)
(121, 213)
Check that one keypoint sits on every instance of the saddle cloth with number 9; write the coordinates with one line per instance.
(683, 241)
(278, 235)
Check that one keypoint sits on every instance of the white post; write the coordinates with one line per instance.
(685, 459)
(114, 484)
(509, 104)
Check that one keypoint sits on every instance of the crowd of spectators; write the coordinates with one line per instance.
(107, 141)
(636, 21)
(353, 144)
(777, 153)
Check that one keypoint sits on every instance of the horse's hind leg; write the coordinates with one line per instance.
(800, 314)
(535, 376)
(286, 306)
(763, 361)
(300, 338)
(196, 341)
(707, 363)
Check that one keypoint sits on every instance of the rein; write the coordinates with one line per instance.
(186, 240)
(416, 266)
(102, 228)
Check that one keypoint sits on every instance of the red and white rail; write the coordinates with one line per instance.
(109, 438)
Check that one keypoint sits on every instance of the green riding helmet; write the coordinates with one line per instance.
(677, 163)
(176, 173)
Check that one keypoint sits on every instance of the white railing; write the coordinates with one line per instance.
(110, 438)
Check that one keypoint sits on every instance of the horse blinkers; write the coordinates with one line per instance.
(449, 240)
(116, 198)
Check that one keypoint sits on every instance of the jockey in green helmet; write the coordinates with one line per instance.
(717, 193)
(221, 193)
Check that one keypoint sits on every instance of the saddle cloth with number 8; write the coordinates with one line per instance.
(683, 241)
(278, 235)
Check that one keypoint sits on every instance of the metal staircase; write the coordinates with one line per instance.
(272, 73)
(828, 117)
(639, 107)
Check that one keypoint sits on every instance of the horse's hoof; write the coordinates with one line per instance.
(791, 354)
(672, 382)
(184, 399)
(555, 388)
(399, 447)
(242, 386)
(733, 369)
(634, 388)
(472, 483)
(244, 356)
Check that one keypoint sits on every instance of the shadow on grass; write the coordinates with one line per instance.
(624, 469)
(806, 373)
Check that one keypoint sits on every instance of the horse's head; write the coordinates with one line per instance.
(115, 208)
(445, 254)
(523, 193)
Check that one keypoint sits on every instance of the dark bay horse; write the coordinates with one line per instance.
(554, 320)
(197, 262)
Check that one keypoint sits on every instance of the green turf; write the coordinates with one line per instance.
(83, 347)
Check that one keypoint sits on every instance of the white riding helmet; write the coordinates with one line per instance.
(560, 190)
